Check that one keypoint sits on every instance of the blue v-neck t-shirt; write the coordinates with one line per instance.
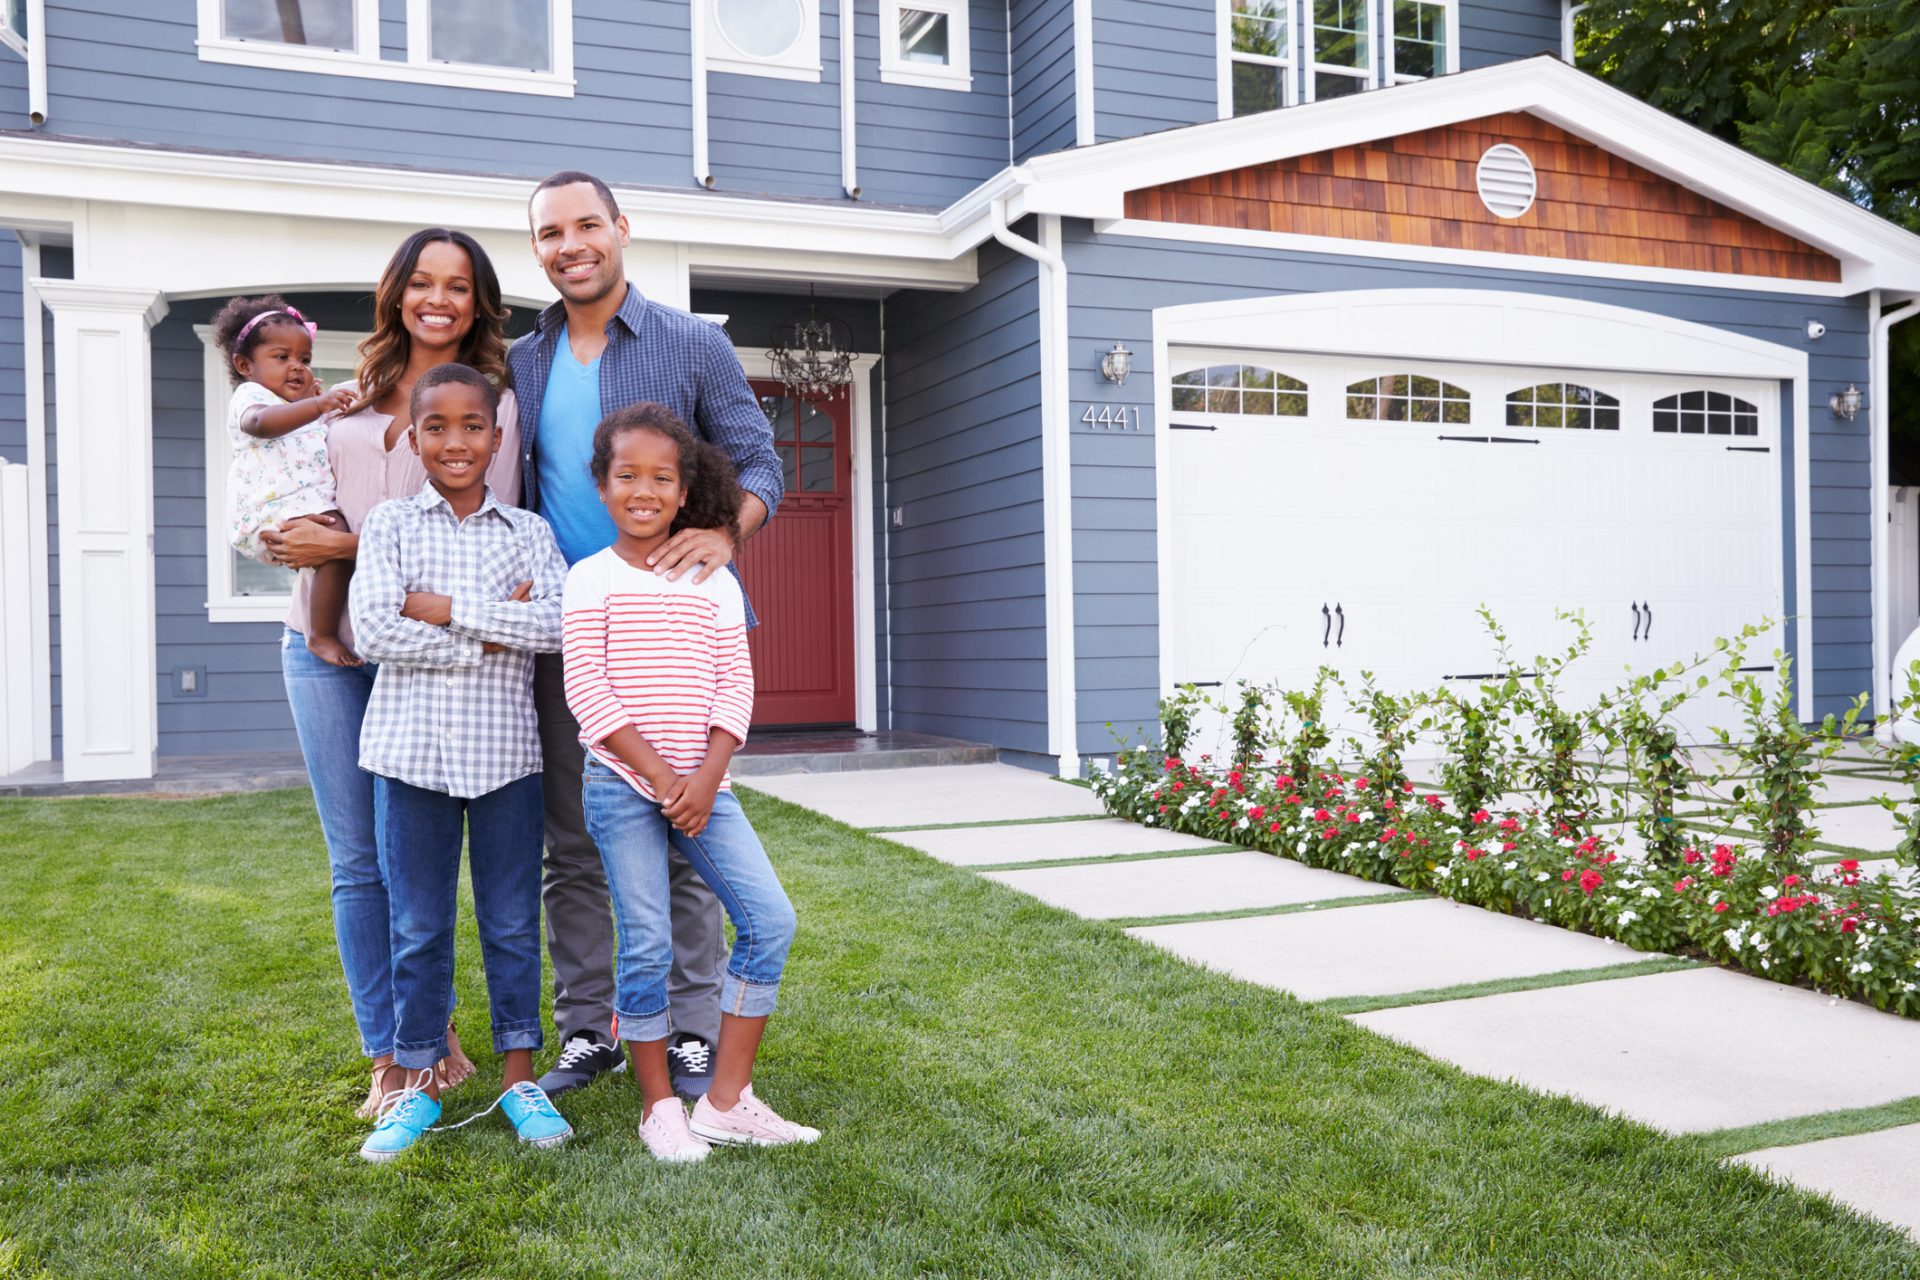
(569, 499)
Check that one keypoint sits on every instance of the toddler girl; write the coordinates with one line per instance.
(658, 676)
(280, 469)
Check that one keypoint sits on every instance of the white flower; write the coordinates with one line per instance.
(1760, 944)
(1864, 967)
(1241, 825)
(1769, 892)
(1649, 892)
(1627, 918)
(1510, 864)
(1543, 877)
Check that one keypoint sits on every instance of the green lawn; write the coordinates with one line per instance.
(1006, 1091)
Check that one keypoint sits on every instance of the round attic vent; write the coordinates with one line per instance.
(1506, 181)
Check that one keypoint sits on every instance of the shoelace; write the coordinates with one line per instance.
(693, 1054)
(761, 1113)
(530, 1092)
(577, 1048)
(394, 1099)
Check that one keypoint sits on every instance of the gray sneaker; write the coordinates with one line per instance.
(690, 1059)
(583, 1060)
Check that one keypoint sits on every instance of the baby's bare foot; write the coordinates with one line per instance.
(329, 649)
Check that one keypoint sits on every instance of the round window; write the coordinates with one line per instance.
(761, 28)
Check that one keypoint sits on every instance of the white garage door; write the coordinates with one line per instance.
(1357, 513)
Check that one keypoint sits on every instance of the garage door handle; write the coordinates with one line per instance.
(1636, 619)
(1649, 609)
(1466, 439)
(1189, 426)
(1748, 448)
(1510, 440)
(1341, 638)
(1328, 629)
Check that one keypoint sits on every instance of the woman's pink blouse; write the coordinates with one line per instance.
(367, 473)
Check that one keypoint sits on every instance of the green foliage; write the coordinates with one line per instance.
(1249, 723)
(1177, 712)
(1557, 770)
(1482, 746)
(1390, 719)
(1779, 759)
(1308, 732)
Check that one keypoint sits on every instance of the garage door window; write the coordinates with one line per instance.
(1407, 397)
(1241, 389)
(1706, 413)
(1563, 404)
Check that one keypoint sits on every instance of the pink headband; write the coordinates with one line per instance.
(313, 330)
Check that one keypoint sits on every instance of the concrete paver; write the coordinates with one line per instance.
(1183, 886)
(1861, 826)
(1840, 788)
(1659, 1048)
(1877, 1173)
(945, 793)
(1034, 841)
(1382, 950)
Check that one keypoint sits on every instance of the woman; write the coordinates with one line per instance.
(438, 302)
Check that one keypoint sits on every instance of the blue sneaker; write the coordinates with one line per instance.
(403, 1122)
(533, 1115)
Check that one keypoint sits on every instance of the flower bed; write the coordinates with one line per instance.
(1831, 927)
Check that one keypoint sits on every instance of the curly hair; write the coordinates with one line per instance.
(713, 492)
(236, 316)
(383, 354)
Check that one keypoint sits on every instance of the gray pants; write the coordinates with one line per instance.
(580, 930)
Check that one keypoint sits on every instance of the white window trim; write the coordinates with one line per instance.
(956, 75)
(1226, 57)
(801, 62)
(14, 40)
(1452, 48)
(365, 62)
(1309, 69)
(223, 605)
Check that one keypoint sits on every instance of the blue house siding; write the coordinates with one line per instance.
(13, 89)
(1502, 30)
(1116, 283)
(1154, 66)
(966, 568)
(13, 355)
(932, 146)
(1043, 104)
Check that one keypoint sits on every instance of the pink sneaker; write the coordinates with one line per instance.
(751, 1123)
(665, 1132)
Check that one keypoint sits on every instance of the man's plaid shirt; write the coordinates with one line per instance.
(444, 715)
(667, 356)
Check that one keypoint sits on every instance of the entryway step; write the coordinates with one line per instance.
(834, 751)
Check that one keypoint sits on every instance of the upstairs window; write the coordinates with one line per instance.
(516, 46)
(1705, 413)
(1408, 397)
(1241, 389)
(1258, 57)
(1420, 39)
(925, 43)
(1339, 49)
(1563, 404)
(777, 38)
(13, 25)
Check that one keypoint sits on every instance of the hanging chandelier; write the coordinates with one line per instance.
(812, 354)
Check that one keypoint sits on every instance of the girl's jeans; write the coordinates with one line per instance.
(328, 704)
(419, 836)
(633, 839)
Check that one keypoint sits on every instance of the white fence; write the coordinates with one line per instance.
(16, 625)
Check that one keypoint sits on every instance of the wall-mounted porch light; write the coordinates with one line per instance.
(1845, 404)
(1116, 364)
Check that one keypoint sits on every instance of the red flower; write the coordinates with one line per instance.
(1407, 787)
(1690, 857)
(1589, 881)
(1789, 881)
(1327, 834)
(1257, 812)
(1481, 815)
(1321, 815)
(1567, 874)
(1719, 906)
(1359, 784)
(1681, 886)
(1509, 824)
(1352, 817)
(1163, 808)
(1849, 865)
(1273, 826)
(1473, 854)
(1506, 846)
(1179, 786)
(1849, 925)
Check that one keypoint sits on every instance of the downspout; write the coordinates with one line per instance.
(1567, 17)
(697, 31)
(849, 72)
(1885, 694)
(1056, 470)
(37, 62)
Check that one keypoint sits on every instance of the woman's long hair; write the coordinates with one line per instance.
(383, 354)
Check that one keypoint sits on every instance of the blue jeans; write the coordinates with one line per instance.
(419, 836)
(633, 838)
(328, 704)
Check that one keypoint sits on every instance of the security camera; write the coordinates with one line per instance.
(1816, 330)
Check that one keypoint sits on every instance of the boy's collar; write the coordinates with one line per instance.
(430, 495)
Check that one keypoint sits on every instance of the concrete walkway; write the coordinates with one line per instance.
(1560, 1012)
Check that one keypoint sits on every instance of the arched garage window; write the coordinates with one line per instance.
(1563, 404)
(1408, 397)
(1706, 413)
(1239, 388)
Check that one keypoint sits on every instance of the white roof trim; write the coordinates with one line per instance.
(1092, 182)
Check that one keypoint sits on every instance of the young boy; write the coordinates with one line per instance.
(453, 593)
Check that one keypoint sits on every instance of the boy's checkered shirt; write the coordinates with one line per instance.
(444, 715)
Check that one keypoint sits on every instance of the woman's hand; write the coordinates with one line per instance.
(307, 542)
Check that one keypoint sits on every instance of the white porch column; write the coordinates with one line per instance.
(103, 407)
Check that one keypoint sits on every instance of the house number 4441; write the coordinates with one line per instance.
(1111, 417)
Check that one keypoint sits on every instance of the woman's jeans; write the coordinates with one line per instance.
(419, 836)
(633, 839)
(328, 704)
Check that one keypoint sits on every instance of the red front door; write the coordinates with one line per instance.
(798, 571)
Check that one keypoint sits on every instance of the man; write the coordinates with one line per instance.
(602, 347)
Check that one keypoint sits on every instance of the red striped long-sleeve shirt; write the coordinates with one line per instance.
(666, 657)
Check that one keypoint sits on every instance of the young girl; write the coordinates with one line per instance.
(280, 469)
(658, 676)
